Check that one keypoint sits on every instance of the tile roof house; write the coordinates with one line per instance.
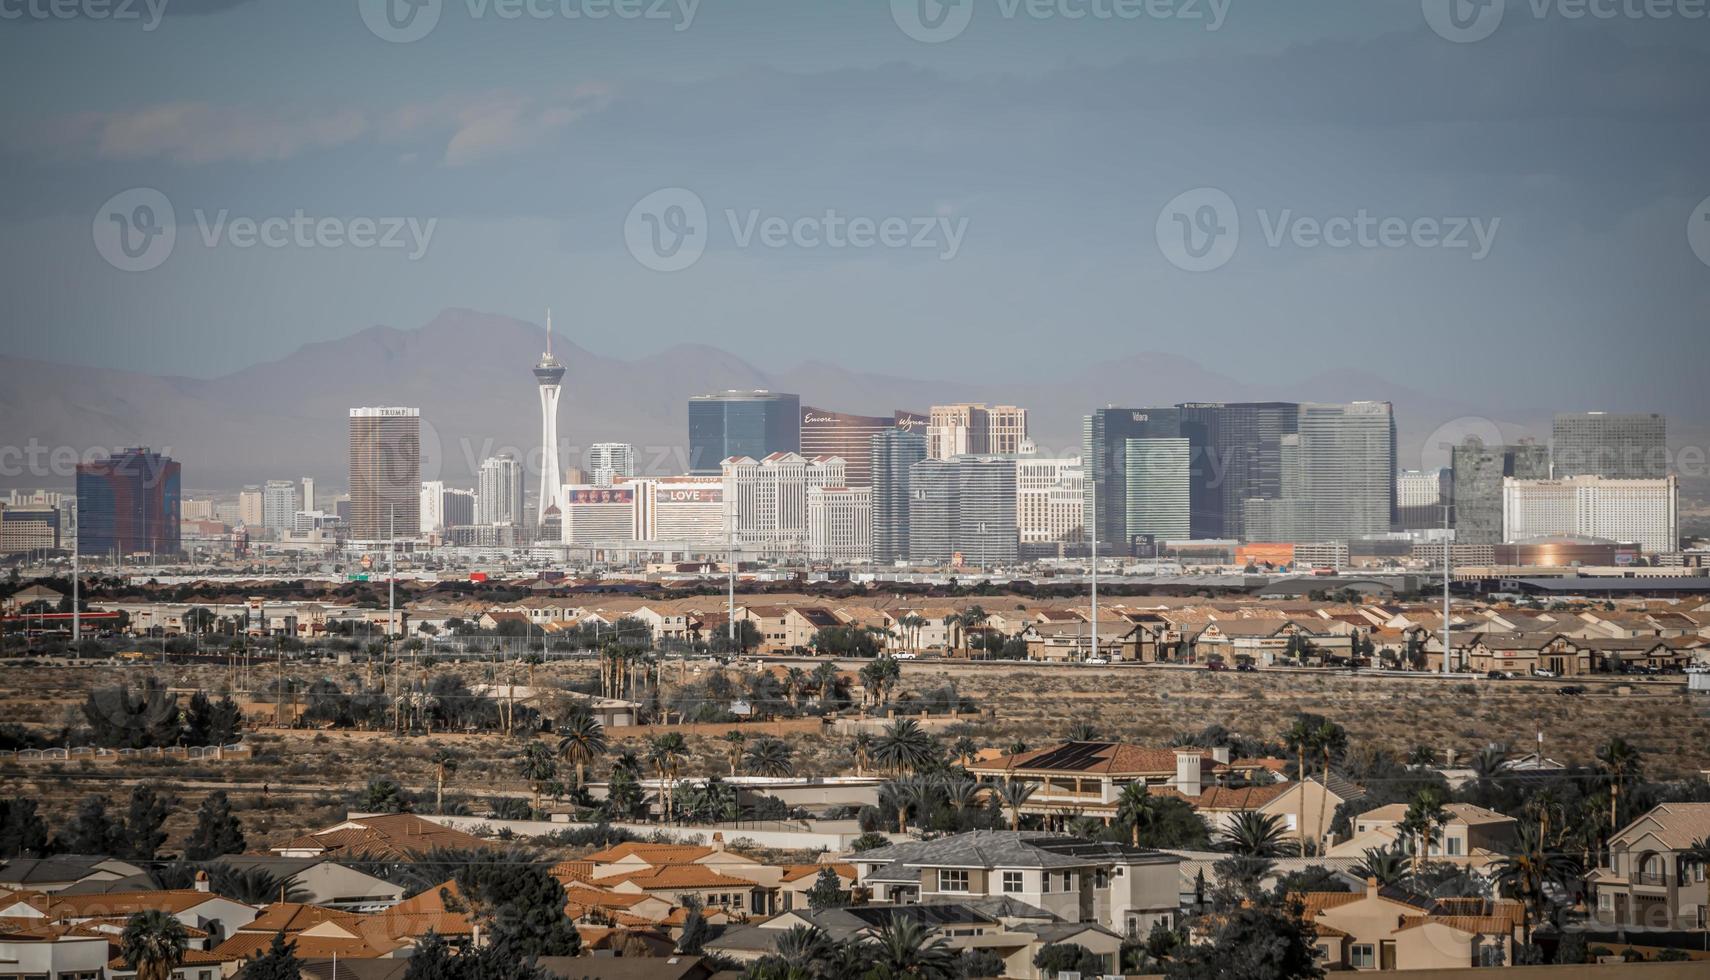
(379, 835)
(1392, 929)
(1089, 777)
(1474, 836)
(1655, 877)
(1124, 889)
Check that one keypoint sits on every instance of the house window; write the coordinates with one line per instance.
(1011, 882)
(1101, 878)
(1361, 956)
(1605, 901)
(952, 881)
(1068, 881)
(1454, 846)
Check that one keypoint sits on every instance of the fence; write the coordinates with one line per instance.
(88, 753)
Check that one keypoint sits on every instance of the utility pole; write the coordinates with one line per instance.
(1094, 497)
(1448, 563)
(76, 597)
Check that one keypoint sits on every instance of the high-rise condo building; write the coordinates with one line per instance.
(963, 510)
(755, 424)
(959, 430)
(1338, 477)
(499, 491)
(1157, 489)
(891, 455)
(309, 493)
(766, 499)
(1049, 505)
(278, 504)
(849, 437)
(1620, 447)
(840, 524)
(1419, 498)
(433, 507)
(251, 507)
(608, 461)
(1476, 492)
(385, 474)
(1642, 512)
(548, 376)
(128, 503)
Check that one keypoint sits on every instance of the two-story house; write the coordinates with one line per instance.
(1656, 873)
(1124, 889)
(1473, 836)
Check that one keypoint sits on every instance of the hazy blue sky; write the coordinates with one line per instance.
(1049, 144)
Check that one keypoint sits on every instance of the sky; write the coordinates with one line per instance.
(1484, 197)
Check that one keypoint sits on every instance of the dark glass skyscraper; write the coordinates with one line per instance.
(742, 423)
(1240, 459)
(893, 453)
(1477, 485)
(128, 503)
(1104, 451)
(1618, 447)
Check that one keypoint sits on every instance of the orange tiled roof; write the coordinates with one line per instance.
(680, 876)
(796, 872)
(651, 853)
(293, 917)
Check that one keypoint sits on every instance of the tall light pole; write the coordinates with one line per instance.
(1094, 498)
(1448, 564)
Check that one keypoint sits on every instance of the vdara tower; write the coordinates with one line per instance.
(549, 373)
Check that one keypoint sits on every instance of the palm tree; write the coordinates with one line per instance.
(1332, 741)
(904, 794)
(1014, 794)
(1255, 834)
(537, 767)
(904, 745)
(965, 749)
(804, 946)
(666, 753)
(1387, 865)
(1137, 808)
(1621, 761)
(733, 742)
(903, 947)
(963, 795)
(1424, 820)
(769, 757)
(1525, 873)
(825, 681)
(252, 886)
(1084, 731)
(444, 761)
(912, 624)
(1299, 738)
(581, 741)
(861, 747)
(153, 944)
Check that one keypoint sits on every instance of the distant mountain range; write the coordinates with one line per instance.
(469, 374)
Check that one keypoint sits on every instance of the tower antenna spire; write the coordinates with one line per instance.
(549, 331)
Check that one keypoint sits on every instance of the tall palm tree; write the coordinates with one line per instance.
(1425, 818)
(907, 793)
(153, 944)
(537, 766)
(904, 745)
(963, 795)
(795, 683)
(804, 946)
(825, 681)
(445, 761)
(769, 757)
(1332, 742)
(1621, 762)
(1137, 808)
(1299, 738)
(1083, 731)
(1255, 834)
(666, 752)
(861, 747)
(903, 947)
(733, 742)
(582, 740)
(1014, 794)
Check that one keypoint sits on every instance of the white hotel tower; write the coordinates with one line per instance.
(549, 373)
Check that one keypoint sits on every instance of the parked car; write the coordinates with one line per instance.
(904, 655)
(1571, 691)
(1496, 675)
(1541, 672)
(1245, 668)
(1217, 665)
(1096, 660)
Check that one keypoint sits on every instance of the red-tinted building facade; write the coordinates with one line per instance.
(128, 503)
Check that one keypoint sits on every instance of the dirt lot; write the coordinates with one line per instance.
(309, 776)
